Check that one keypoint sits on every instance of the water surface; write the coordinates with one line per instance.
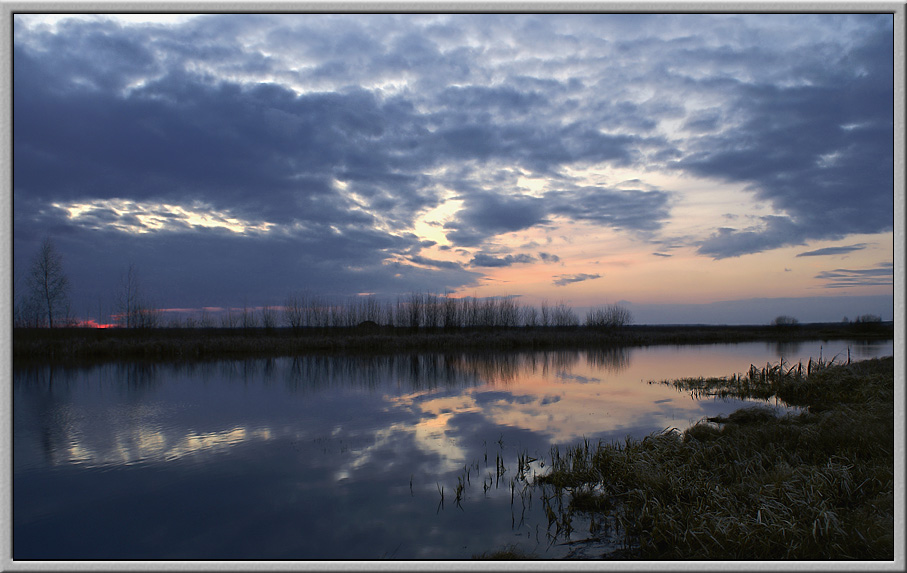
(333, 457)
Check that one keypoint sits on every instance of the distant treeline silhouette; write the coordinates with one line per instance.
(427, 310)
(416, 310)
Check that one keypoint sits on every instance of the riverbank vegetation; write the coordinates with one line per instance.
(66, 344)
(814, 484)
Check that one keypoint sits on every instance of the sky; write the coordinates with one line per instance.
(694, 168)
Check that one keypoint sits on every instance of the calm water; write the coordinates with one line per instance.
(332, 457)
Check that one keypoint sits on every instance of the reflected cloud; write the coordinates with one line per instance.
(151, 445)
(576, 378)
(362, 406)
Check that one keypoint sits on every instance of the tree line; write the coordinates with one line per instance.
(429, 310)
(43, 301)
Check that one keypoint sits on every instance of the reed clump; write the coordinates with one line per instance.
(817, 484)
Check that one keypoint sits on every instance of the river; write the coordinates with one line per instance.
(335, 457)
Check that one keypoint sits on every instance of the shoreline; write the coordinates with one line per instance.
(63, 345)
(754, 485)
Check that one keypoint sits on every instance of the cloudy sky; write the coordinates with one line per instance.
(673, 163)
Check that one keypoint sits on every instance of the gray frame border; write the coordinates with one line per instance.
(6, 197)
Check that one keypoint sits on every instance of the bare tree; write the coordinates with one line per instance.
(294, 313)
(562, 316)
(508, 312)
(449, 315)
(133, 309)
(248, 317)
(268, 317)
(530, 316)
(414, 310)
(205, 321)
(609, 316)
(128, 298)
(229, 319)
(545, 314)
(27, 310)
(390, 313)
(47, 294)
(372, 309)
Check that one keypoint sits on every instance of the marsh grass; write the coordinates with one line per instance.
(818, 484)
(785, 381)
(67, 344)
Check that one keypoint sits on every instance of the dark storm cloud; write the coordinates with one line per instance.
(564, 280)
(420, 260)
(629, 210)
(773, 233)
(257, 150)
(486, 260)
(881, 275)
(488, 214)
(820, 150)
(834, 250)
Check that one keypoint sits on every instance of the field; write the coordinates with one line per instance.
(86, 344)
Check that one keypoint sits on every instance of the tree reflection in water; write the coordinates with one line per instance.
(364, 441)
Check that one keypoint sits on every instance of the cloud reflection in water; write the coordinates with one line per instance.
(323, 457)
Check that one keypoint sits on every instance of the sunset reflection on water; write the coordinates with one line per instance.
(350, 438)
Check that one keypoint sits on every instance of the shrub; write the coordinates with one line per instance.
(610, 316)
(785, 320)
(868, 318)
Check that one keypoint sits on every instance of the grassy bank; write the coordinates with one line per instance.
(61, 344)
(814, 485)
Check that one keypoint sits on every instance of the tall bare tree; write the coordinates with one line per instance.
(128, 298)
(48, 286)
(134, 310)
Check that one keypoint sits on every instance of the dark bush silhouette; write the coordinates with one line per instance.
(785, 321)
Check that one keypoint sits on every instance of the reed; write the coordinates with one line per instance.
(818, 484)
